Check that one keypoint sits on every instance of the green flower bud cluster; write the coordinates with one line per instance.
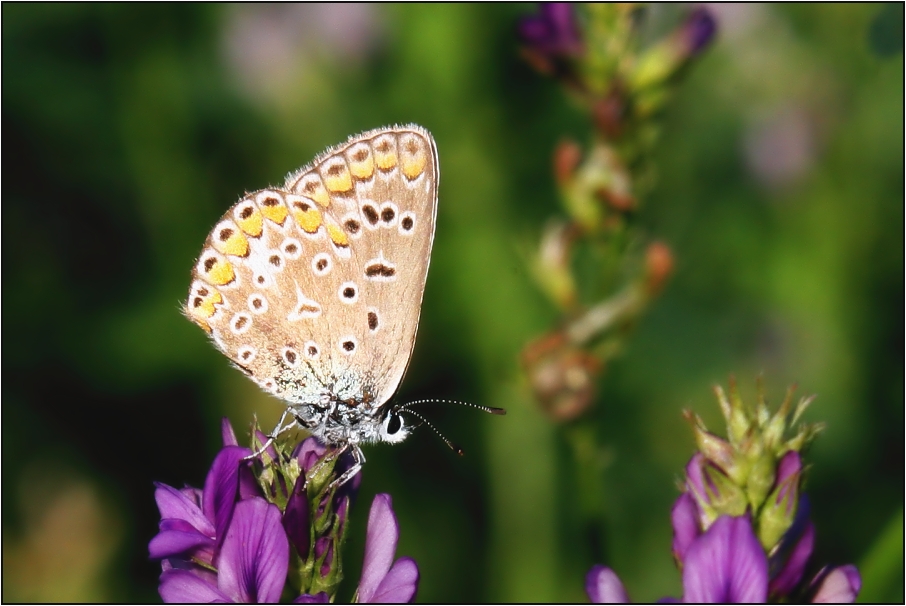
(756, 468)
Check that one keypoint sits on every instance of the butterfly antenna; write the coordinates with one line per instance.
(452, 446)
(487, 409)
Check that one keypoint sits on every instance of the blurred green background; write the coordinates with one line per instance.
(129, 129)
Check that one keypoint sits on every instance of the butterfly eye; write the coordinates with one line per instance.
(394, 424)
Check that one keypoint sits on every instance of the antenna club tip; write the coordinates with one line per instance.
(498, 411)
(460, 451)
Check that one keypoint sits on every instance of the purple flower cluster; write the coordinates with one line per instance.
(578, 45)
(727, 564)
(232, 542)
(741, 528)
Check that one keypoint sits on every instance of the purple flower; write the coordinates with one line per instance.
(788, 560)
(726, 564)
(838, 585)
(220, 543)
(260, 525)
(783, 522)
(251, 565)
(698, 30)
(709, 493)
(686, 525)
(383, 580)
(311, 451)
(192, 521)
(296, 518)
(603, 586)
(789, 468)
(551, 38)
(741, 528)
(552, 32)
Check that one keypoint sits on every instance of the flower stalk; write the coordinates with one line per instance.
(595, 52)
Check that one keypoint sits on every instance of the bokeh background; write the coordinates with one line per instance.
(129, 129)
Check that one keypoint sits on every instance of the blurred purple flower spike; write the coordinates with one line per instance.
(553, 32)
(383, 580)
(698, 30)
(551, 41)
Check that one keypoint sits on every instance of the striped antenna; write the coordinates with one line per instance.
(406, 408)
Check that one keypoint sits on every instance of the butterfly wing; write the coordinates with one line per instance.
(317, 287)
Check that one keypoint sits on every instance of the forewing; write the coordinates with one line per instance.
(324, 279)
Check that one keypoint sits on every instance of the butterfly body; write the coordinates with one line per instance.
(314, 289)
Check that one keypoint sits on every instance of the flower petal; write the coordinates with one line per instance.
(839, 586)
(399, 585)
(296, 521)
(603, 586)
(686, 529)
(699, 485)
(698, 30)
(221, 487)
(175, 504)
(318, 598)
(788, 469)
(342, 513)
(227, 433)
(263, 439)
(255, 554)
(789, 465)
(176, 537)
(193, 494)
(726, 564)
(182, 586)
(791, 573)
(380, 546)
(248, 485)
(309, 452)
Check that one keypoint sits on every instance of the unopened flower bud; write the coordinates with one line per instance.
(781, 505)
(567, 156)
(658, 267)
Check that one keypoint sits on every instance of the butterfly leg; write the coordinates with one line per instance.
(280, 428)
(358, 460)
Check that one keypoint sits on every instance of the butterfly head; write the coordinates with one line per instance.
(393, 428)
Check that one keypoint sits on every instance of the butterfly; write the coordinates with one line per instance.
(314, 289)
